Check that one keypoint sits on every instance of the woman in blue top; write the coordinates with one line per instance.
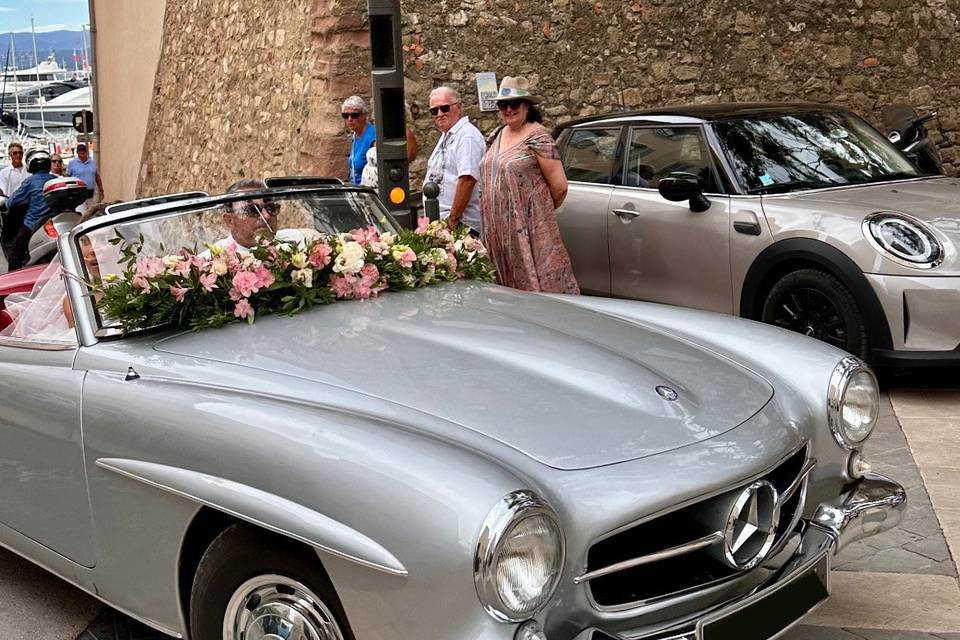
(364, 136)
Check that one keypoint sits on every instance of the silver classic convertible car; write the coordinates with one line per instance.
(449, 461)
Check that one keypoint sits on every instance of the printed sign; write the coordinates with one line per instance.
(487, 90)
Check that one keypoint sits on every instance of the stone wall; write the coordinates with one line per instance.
(245, 88)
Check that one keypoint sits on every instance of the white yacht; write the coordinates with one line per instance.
(56, 112)
(47, 71)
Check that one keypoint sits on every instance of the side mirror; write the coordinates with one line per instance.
(680, 186)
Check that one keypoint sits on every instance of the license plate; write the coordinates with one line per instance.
(773, 612)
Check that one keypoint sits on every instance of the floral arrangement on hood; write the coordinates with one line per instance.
(226, 284)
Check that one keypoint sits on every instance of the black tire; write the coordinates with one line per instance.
(244, 553)
(817, 304)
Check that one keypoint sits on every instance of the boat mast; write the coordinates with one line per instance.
(16, 89)
(36, 61)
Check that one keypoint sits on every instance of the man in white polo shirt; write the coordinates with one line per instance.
(455, 162)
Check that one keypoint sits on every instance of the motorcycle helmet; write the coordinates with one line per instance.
(64, 194)
(37, 160)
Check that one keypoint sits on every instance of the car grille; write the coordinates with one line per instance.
(635, 566)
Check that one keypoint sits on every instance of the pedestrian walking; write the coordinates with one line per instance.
(454, 164)
(523, 183)
(57, 167)
(362, 135)
(85, 168)
(13, 176)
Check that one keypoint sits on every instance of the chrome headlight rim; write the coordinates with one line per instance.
(934, 246)
(509, 511)
(843, 374)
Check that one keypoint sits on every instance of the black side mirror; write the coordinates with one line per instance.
(680, 186)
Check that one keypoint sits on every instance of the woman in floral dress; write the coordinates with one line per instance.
(522, 185)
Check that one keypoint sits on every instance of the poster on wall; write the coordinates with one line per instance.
(487, 90)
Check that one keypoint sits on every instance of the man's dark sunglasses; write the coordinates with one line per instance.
(503, 105)
(352, 115)
(253, 210)
(441, 108)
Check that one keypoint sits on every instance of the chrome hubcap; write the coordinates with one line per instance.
(272, 607)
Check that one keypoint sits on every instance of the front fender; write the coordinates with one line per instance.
(262, 509)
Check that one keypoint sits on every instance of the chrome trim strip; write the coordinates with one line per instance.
(672, 552)
(37, 345)
(801, 477)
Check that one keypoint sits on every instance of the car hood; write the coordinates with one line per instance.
(568, 386)
(933, 200)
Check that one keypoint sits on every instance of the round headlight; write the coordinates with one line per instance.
(853, 402)
(519, 557)
(905, 239)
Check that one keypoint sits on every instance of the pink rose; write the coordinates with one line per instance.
(359, 237)
(209, 281)
(422, 223)
(369, 274)
(408, 257)
(342, 285)
(246, 283)
(320, 255)
(264, 277)
(178, 293)
(243, 308)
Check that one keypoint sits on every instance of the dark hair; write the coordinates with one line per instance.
(533, 114)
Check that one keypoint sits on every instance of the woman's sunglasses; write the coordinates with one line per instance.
(441, 108)
(352, 115)
(503, 105)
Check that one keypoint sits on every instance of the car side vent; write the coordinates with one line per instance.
(635, 567)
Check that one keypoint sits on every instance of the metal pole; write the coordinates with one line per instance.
(92, 78)
(16, 89)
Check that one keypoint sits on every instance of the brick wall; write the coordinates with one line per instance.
(247, 88)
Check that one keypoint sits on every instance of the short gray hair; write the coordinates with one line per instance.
(453, 93)
(354, 102)
(246, 184)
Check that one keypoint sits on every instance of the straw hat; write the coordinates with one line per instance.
(516, 88)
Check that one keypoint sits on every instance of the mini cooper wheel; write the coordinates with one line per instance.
(252, 585)
(818, 305)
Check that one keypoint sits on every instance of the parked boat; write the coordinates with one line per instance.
(56, 112)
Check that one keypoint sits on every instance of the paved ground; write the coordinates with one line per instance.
(900, 585)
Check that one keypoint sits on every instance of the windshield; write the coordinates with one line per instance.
(243, 223)
(789, 152)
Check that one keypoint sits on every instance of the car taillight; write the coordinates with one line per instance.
(50, 229)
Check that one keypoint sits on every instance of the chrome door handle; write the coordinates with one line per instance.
(626, 213)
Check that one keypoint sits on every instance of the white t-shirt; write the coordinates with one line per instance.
(458, 153)
(10, 181)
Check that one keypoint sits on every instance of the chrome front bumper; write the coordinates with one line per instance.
(874, 505)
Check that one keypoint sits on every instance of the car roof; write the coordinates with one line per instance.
(708, 112)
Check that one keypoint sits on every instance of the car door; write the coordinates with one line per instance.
(662, 251)
(589, 159)
(43, 487)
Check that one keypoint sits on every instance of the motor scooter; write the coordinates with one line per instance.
(907, 131)
(63, 196)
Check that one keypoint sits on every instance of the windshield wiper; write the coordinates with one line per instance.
(793, 185)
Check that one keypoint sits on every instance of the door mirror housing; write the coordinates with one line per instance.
(680, 186)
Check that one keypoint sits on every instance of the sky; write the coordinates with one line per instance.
(48, 15)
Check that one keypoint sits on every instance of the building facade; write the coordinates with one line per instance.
(253, 88)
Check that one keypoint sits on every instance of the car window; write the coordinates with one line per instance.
(656, 152)
(789, 152)
(589, 155)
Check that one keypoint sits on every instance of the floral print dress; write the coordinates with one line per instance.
(519, 221)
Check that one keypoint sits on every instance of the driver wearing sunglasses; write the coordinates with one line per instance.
(362, 135)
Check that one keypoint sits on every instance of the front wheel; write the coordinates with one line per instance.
(252, 585)
(817, 304)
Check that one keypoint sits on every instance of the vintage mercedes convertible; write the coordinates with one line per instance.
(444, 462)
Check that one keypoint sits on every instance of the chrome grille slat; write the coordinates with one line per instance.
(689, 547)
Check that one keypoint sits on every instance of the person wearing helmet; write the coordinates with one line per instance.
(30, 194)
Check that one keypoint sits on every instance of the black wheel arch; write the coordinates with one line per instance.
(791, 254)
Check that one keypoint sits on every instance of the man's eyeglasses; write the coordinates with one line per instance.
(253, 210)
(503, 105)
(352, 115)
(441, 108)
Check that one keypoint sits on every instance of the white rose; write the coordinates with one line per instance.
(350, 258)
(303, 276)
(388, 238)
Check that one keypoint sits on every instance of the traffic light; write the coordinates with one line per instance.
(389, 109)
